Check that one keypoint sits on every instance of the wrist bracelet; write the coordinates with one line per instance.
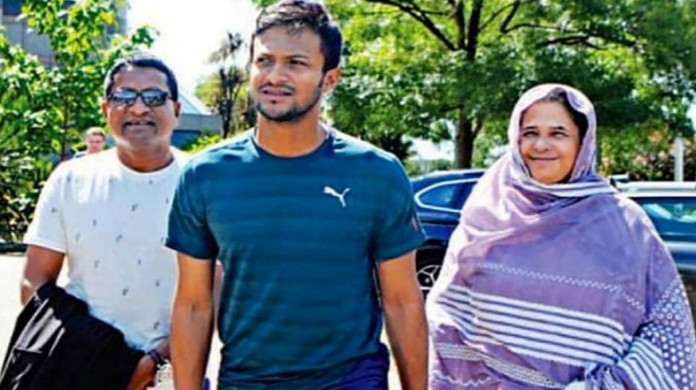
(160, 361)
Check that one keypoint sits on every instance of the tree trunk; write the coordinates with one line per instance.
(226, 117)
(464, 141)
(64, 132)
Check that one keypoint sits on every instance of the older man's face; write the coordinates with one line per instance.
(138, 126)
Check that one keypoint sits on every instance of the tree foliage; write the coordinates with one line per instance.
(454, 68)
(223, 91)
(201, 143)
(654, 159)
(43, 109)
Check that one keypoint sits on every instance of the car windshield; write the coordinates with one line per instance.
(674, 218)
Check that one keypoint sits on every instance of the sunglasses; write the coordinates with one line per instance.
(151, 97)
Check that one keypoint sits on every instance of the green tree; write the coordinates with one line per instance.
(43, 109)
(652, 160)
(223, 90)
(426, 67)
(83, 53)
(201, 143)
(24, 133)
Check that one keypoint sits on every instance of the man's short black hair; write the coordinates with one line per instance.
(142, 60)
(300, 14)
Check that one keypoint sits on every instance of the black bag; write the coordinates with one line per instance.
(56, 344)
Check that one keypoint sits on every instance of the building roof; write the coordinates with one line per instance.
(191, 105)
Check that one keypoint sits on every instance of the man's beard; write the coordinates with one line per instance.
(295, 113)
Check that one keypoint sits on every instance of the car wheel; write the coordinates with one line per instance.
(428, 265)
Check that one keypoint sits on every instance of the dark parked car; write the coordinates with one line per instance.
(672, 208)
(673, 211)
(440, 196)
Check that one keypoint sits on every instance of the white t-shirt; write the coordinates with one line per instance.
(111, 221)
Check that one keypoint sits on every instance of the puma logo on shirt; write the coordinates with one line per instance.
(341, 197)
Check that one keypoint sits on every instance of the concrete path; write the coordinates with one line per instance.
(10, 270)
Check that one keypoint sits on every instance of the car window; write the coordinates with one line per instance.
(466, 189)
(441, 196)
(674, 218)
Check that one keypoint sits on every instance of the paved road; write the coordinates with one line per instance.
(10, 271)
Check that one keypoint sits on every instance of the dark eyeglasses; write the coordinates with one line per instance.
(151, 97)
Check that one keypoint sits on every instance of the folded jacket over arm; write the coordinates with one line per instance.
(56, 344)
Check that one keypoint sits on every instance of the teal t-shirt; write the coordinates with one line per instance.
(298, 239)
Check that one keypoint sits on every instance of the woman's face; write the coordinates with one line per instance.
(549, 142)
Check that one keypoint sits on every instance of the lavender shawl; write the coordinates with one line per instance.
(546, 285)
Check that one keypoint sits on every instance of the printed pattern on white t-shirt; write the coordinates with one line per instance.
(111, 221)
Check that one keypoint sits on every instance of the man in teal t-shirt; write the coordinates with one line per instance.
(305, 221)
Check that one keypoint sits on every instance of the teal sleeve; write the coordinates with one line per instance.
(398, 230)
(189, 232)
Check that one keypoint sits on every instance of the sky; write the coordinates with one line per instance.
(189, 33)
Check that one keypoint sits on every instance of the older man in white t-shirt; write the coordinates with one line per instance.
(107, 214)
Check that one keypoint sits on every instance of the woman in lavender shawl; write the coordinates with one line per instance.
(551, 279)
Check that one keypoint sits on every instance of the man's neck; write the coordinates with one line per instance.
(290, 139)
(150, 160)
